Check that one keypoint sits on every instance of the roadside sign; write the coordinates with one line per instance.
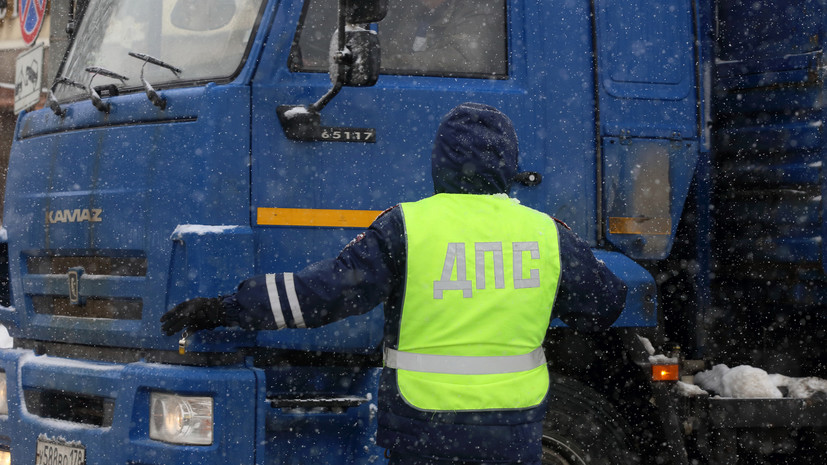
(28, 78)
(31, 13)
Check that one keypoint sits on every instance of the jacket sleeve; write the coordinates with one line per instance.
(361, 277)
(590, 297)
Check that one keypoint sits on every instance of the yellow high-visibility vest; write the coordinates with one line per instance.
(482, 275)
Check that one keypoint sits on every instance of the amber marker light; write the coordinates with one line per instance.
(665, 372)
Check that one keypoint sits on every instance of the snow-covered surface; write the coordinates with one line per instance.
(506, 196)
(661, 359)
(59, 440)
(742, 381)
(656, 358)
(803, 388)
(647, 344)
(79, 365)
(357, 28)
(689, 390)
(199, 229)
(745, 381)
(296, 111)
(5, 339)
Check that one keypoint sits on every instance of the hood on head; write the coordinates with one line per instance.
(475, 151)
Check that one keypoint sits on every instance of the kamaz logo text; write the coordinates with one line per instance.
(92, 215)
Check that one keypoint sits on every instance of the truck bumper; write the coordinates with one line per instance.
(103, 408)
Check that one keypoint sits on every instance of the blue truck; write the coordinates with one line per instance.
(190, 144)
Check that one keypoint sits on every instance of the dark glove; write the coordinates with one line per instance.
(196, 314)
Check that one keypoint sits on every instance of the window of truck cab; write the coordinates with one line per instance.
(207, 39)
(450, 38)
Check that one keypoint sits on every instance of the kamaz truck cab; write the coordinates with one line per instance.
(190, 144)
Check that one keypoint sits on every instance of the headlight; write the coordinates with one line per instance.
(181, 419)
(5, 457)
(4, 397)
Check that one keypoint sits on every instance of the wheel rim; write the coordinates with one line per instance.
(557, 452)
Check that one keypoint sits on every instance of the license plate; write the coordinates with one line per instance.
(55, 453)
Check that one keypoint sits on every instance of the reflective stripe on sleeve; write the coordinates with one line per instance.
(464, 365)
(275, 306)
(295, 308)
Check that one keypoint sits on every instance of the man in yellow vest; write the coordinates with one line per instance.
(470, 280)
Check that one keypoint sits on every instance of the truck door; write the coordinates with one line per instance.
(377, 149)
(648, 121)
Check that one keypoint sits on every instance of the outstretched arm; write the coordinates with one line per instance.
(361, 277)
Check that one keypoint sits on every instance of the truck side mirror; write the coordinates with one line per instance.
(365, 11)
(363, 58)
(355, 58)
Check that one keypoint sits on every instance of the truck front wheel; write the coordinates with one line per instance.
(583, 428)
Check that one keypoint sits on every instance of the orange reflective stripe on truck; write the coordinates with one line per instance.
(316, 217)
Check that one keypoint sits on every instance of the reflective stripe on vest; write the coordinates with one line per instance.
(464, 365)
(482, 274)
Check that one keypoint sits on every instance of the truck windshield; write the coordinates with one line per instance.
(206, 39)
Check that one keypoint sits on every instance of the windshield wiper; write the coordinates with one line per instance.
(51, 100)
(151, 93)
(93, 94)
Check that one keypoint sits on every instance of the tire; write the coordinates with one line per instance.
(583, 428)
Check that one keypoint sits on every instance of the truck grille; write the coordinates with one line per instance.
(109, 284)
(67, 406)
(116, 309)
(100, 265)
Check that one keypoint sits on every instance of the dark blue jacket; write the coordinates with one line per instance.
(475, 153)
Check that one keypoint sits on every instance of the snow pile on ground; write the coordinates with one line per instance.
(745, 381)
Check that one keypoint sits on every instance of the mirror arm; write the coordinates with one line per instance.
(341, 63)
(326, 98)
(341, 23)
